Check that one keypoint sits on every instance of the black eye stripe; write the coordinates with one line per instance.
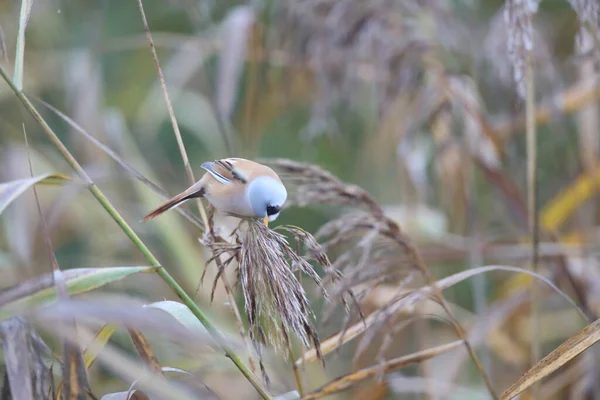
(272, 210)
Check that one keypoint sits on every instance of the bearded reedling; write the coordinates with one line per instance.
(236, 187)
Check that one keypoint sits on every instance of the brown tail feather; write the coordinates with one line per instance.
(169, 204)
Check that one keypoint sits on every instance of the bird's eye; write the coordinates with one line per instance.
(272, 210)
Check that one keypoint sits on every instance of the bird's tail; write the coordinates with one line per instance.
(174, 202)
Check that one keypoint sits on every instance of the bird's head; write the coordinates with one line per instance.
(267, 196)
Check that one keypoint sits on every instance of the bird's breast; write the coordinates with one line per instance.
(230, 199)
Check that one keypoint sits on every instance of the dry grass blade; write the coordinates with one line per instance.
(101, 339)
(145, 351)
(557, 211)
(119, 363)
(427, 387)
(9, 191)
(236, 30)
(128, 395)
(335, 341)
(407, 298)
(571, 348)
(532, 194)
(75, 379)
(26, 6)
(3, 52)
(120, 311)
(27, 376)
(133, 315)
(5, 392)
(136, 174)
(347, 381)
(76, 384)
(410, 298)
(41, 290)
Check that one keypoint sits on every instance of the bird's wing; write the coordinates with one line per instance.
(224, 171)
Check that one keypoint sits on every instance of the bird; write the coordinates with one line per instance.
(236, 187)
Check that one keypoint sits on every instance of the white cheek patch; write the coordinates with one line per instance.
(273, 217)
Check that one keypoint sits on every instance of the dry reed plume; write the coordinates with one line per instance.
(275, 301)
(370, 248)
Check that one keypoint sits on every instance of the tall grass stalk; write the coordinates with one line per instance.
(192, 180)
(162, 272)
(176, 131)
(536, 348)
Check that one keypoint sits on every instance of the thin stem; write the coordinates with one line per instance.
(163, 85)
(461, 333)
(417, 261)
(238, 319)
(192, 179)
(295, 369)
(162, 272)
(531, 136)
(476, 255)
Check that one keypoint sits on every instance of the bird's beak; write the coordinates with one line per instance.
(265, 221)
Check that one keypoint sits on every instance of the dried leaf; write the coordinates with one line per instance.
(26, 6)
(556, 212)
(27, 375)
(410, 298)
(122, 365)
(132, 171)
(41, 290)
(145, 351)
(122, 311)
(335, 341)
(571, 348)
(456, 278)
(9, 191)
(236, 31)
(344, 382)
(75, 378)
(177, 371)
(128, 395)
(101, 339)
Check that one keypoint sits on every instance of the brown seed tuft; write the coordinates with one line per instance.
(272, 294)
(517, 16)
(367, 247)
(275, 301)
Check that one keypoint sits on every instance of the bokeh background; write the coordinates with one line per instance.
(418, 102)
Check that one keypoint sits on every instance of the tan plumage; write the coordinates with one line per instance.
(225, 185)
